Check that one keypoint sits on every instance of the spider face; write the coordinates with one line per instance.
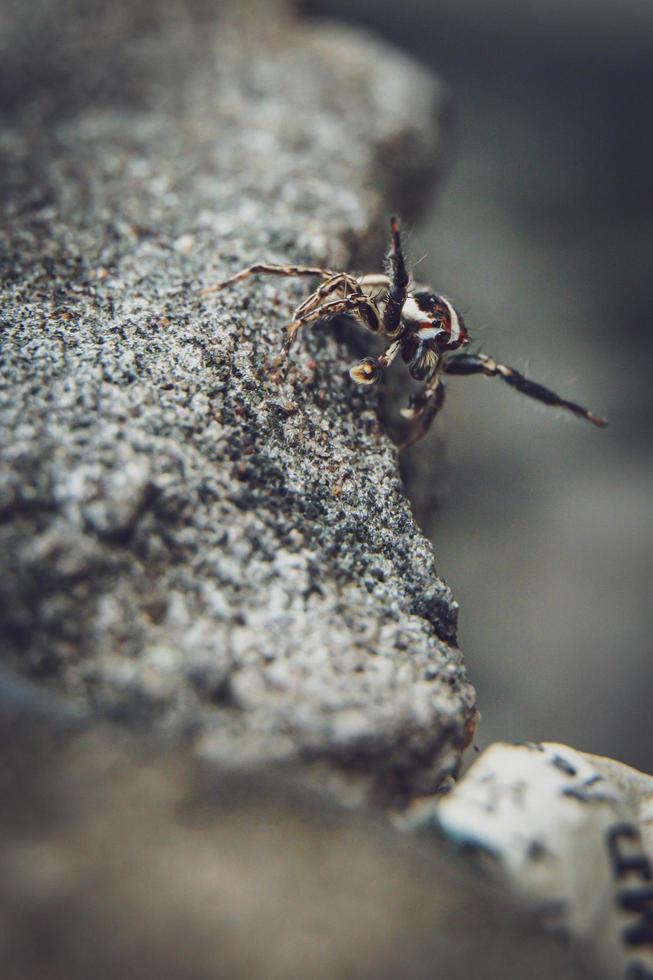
(428, 325)
(431, 327)
(424, 328)
(437, 319)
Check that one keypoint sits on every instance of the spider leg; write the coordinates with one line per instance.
(422, 409)
(398, 286)
(339, 281)
(480, 364)
(357, 305)
(370, 370)
(269, 270)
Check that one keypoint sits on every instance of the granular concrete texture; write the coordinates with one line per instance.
(193, 542)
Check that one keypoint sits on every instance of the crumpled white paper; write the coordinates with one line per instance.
(572, 834)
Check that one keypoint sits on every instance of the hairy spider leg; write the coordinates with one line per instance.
(269, 270)
(480, 364)
(422, 409)
(370, 369)
(388, 356)
(399, 284)
(358, 306)
(339, 281)
(306, 309)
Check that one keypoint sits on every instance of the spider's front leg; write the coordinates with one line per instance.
(480, 364)
(398, 284)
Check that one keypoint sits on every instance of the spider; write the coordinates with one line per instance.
(422, 326)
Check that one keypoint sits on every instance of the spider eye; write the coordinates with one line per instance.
(442, 339)
(446, 341)
(366, 372)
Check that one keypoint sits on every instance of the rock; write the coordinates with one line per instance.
(213, 555)
(117, 862)
(192, 543)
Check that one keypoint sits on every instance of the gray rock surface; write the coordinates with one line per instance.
(192, 542)
(201, 549)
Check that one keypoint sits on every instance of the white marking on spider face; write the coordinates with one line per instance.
(414, 314)
(455, 322)
(411, 311)
(430, 333)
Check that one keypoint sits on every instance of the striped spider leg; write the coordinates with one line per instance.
(347, 297)
(480, 364)
(269, 269)
(422, 409)
(339, 293)
(425, 405)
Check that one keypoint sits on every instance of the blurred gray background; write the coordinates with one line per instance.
(542, 233)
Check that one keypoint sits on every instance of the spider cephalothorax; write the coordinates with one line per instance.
(424, 328)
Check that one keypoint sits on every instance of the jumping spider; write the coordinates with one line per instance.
(424, 327)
